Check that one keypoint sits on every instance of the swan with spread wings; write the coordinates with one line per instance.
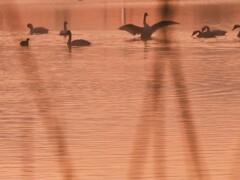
(146, 31)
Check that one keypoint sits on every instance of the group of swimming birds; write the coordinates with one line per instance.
(145, 32)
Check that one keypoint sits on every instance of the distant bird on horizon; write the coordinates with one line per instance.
(76, 42)
(146, 31)
(64, 31)
(236, 27)
(201, 34)
(217, 32)
(37, 30)
(25, 43)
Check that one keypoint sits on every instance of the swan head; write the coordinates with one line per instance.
(205, 28)
(145, 14)
(27, 39)
(65, 23)
(196, 32)
(30, 26)
(236, 26)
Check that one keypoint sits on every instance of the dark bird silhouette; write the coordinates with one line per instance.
(146, 31)
(25, 43)
(64, 31)
(217, 32)
(236, 27)
(37, 30)
(201, 34)
(76, 42)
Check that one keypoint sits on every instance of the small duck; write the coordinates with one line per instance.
(201, 34)
(25, 43)
(217, 32)
(37, 30)
(236, 27)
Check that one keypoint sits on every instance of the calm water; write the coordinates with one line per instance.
(122, 108)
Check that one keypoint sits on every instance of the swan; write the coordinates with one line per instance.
(24, 43)
(236, 27)
(76, 42)
(204, 34)
(37, 30)
(64, 31)
(217, 32)
(146, 31)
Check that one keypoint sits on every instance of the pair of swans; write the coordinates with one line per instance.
(76, 42)
(207, 33)
(43, 30)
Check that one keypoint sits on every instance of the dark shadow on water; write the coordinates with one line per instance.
(151, 127)
(49, 117)
(196, 163)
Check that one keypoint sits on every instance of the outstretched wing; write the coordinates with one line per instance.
(133, 29)
(162, 24)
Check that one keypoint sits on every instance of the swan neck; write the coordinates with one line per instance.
(65, 27)
(69, 39)
(144, 19)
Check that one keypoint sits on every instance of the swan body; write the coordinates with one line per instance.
(217, 32)
(77, 42)
(25, 43)
(236, 27)
(64, 31)
(201, 34)
(146, 31)
(37, 30)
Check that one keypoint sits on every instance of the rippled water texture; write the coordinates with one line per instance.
(121, 108)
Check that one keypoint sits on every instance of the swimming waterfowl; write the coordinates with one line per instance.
(217, 32)
(24, 43)
(201, 34)
(37, 30)
(146, 31)
(64, 31)
(76, 42)
(236, 27)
